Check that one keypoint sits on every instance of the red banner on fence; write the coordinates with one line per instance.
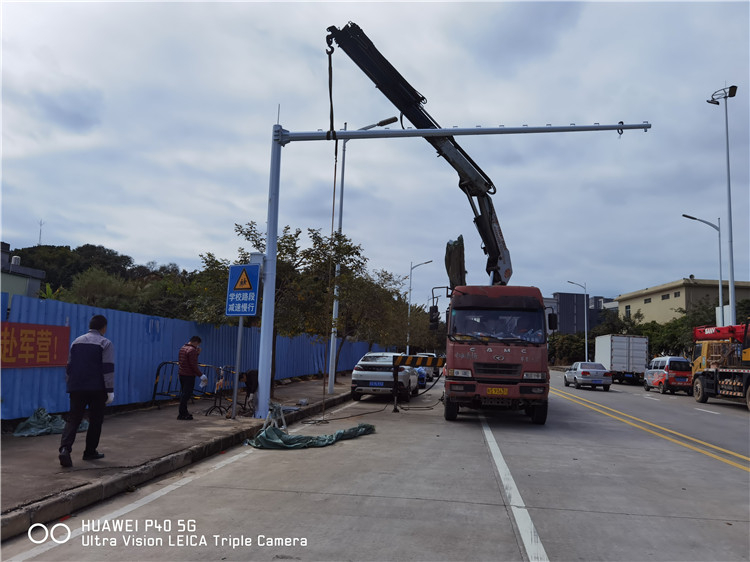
(34, 345)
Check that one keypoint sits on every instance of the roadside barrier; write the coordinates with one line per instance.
(219, 389)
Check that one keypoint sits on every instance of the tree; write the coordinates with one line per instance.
(105, 259)
(59, 263)
(369, 309)
(305, 279)
(165, 292)
(206, 295)
(96, 287)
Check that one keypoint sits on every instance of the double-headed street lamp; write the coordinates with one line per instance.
(332, 354)
(408, 312)
(585, 317)
(724, 94)
(717, 228)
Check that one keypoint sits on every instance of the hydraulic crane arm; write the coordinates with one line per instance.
(471, 179)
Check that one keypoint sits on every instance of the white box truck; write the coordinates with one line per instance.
(625, 356)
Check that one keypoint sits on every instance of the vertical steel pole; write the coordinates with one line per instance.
(334, 330)
(721, 282)
(732, 309)
(269, 279)
(237, 367)
(408, 309)
(586, 320)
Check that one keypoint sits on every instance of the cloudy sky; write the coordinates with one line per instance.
(147, 128)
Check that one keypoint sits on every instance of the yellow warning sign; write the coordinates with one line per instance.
(243, 283)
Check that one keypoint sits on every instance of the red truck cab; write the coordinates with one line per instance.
(496, 350)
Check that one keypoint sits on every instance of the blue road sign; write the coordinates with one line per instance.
(242, 290)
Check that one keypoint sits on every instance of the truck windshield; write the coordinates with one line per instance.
(494, 324)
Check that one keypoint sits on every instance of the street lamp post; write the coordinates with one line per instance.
(585, 318)
(725, 93)
(334, 334)
(717, 228)
(408, 311)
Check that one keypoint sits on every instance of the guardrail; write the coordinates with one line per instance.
(219, 389)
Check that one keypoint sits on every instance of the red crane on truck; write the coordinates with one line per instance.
(496, 349)
(721, 363)
(486, 367)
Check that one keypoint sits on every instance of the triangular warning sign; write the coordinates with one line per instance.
(243, 283)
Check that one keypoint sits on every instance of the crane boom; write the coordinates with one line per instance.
(477, 186)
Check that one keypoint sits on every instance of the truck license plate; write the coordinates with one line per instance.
(497, 391)
(376, 383)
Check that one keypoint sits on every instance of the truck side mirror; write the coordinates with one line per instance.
(434, 317)
(552, 321)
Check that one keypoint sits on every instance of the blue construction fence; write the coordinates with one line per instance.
(141, 344)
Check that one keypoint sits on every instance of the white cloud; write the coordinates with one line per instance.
(146, 127)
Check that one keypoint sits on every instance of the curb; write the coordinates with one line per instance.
(18, 521)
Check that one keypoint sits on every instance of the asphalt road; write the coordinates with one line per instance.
(618, 475)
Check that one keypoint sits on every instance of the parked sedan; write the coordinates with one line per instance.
(588, 374)
(373, 374)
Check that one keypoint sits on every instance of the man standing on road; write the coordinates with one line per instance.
(188, 371)
(90, 378)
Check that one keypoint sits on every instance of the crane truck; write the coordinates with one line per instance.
(496, 348)
(486, 367)
(721, 363)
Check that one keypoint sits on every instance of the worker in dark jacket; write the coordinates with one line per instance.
(90, 378)
(188, 371)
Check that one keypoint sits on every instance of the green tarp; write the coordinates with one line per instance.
(275, 438)
(43, 423)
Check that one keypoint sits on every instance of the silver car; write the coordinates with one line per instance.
(373, 374)
(432, 372)
(588, 374)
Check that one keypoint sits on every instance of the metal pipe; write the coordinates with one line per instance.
(287, 136)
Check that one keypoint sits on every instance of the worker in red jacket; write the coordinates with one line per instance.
(188, 371)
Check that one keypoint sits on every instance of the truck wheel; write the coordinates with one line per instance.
(451, 409)
(606, 387)
(539, 414)
(662, 388)
(699, 390)
(576, 383)
(356, 396)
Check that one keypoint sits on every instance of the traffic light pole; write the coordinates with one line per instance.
(282, 137)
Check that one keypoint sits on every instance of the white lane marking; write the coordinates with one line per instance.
(42, 548)
(707, 411)
(650, 398)
(531, 541)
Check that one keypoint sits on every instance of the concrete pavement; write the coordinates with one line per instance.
(138, 446)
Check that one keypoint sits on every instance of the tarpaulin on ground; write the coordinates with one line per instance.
(275, 438)
(43, 423)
